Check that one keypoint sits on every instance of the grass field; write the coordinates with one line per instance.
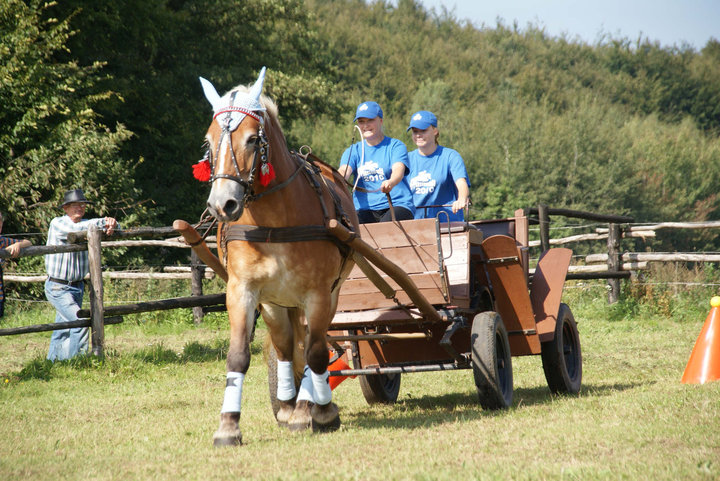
(148, 411)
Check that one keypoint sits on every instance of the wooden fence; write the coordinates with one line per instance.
(99, 315)
(618, 265)
(611, 265)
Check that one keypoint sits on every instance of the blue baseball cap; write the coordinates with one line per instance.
(368, 110)
(422, 120)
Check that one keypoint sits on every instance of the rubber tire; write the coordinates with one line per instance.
(562, 357)
(380, 388)
(491, 361)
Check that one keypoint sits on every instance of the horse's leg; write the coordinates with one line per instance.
(241, 313)
(325, 414)
(283, 340)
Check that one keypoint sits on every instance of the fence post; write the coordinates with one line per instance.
(544, 219)
(97, 311)
(197, 273)
(613, 262)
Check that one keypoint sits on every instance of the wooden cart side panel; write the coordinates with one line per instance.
(456, 249)
(546, 290)
(413, 246)
(361, 294)
(512, 300)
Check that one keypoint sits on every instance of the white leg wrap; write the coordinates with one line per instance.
(285, 381)
(306, 387)
(321, 386)
(233, 392)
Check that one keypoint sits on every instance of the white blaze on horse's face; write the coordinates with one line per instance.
(231, 151)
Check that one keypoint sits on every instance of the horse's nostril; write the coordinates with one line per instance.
(230, 206)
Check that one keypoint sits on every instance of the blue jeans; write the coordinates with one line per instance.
(67, 300)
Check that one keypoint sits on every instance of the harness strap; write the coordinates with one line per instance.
(257, 233)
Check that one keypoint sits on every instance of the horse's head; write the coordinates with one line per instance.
(237, 147)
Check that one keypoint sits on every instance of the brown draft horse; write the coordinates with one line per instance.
(274, 206)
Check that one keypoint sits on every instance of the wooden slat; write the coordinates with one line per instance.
(355, 302)
(376, 317)
(358, 294)
(428, 280)
(411, 232)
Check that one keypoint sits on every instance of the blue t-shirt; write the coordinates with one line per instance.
(374, 169)
(432, 181)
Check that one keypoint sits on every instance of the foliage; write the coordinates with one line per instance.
(51, 138)
(155, 52)
(620, 126)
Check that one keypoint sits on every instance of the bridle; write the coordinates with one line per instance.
(260, 149)
(260, 154)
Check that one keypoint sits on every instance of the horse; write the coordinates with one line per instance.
(273, 208)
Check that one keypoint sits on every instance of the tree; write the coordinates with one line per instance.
(50, 136)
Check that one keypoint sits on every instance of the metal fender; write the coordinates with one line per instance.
(546, 290)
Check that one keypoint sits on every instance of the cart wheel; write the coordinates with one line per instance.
(491, 361)
(380, 388)
(561, 357)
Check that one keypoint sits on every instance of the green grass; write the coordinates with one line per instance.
(148, 411)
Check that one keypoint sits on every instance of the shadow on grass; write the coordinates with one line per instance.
(157, 355)
(412, 413)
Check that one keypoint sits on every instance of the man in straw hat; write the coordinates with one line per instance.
(64, 287)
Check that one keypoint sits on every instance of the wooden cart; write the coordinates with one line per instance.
(430, 296)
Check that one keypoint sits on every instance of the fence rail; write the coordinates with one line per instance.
(100, 315)
(612, 265)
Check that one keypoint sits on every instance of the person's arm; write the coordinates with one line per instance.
(397, 174)
(463, 194)
(345, 171)
(14, 248)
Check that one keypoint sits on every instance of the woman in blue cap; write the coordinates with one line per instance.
(380, 166)
(438, 176)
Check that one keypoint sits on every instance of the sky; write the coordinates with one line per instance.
(670, 22)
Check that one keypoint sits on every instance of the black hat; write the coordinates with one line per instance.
(75, 195)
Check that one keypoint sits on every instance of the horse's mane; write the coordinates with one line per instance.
(269, 105)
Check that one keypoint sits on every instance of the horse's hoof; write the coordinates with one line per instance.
(232, 439)
(285, 412)
(325, 418)
(300, 419)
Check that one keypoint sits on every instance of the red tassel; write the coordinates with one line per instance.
(267, 174)
(201, 171)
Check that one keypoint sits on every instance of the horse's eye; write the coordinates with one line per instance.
(252, 140)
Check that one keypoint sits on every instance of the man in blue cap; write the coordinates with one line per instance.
(438, 177)
(64, 287)
(380, 166)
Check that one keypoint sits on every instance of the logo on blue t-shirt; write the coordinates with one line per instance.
(423, 183)
(371, 172)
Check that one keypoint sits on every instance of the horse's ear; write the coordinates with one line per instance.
(210, 93)
(256, 89)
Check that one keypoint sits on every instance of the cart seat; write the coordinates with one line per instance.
(455, 226)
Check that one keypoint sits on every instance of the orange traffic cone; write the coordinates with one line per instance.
(338, 365)
(704, 362)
